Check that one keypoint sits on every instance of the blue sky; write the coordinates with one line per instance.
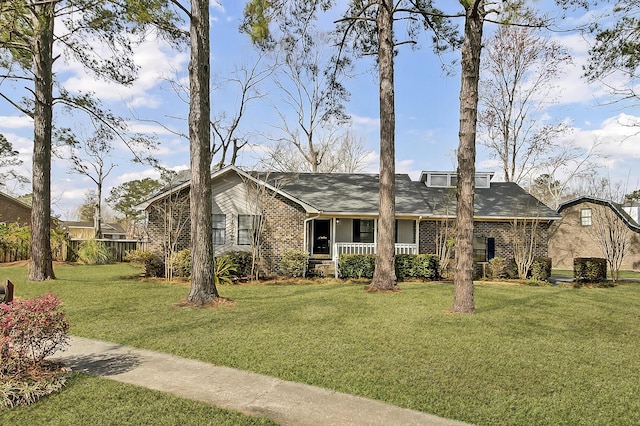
(427, 111)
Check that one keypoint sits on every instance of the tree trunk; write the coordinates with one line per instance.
(463, 301)
(41, 263)
(203, 287)
(384, 277)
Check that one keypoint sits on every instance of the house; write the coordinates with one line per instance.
(84, 230)
(328, 215)
(583, 222)
(114, 237)
(13, 210)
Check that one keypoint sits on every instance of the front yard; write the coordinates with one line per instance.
(530, 355)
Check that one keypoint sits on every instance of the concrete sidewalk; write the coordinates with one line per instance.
(287, 403)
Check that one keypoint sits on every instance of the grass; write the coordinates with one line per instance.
(623, 274)
(96, 401)
(530, 355)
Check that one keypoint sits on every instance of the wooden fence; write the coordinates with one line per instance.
(118, 248)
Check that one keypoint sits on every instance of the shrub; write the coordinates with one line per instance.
(92, 252)
(541, 269)
(356, 265)
(405, 266)
(223, 270)
(497, 268)
(152, 263)
(180, 263)
(242, 261)
(427, 266)
(294, 263)
(30, 330)
(424, 266)
(589, 269)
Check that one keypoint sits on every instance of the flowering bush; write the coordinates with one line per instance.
(30, 330)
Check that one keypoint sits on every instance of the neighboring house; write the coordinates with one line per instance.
(84, 230)
(582, 220)
(13, 210)
(328, 214)
(114, 237)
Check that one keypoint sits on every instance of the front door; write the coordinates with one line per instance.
(321, 237)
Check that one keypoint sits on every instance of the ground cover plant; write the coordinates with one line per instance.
(530, 355)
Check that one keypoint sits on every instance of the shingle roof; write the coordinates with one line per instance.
(357, 193)
(501, 200)
(348, 192)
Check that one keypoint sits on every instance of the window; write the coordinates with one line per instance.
(479, 249)
(439, 181)
(585, 217)
(363, 230)
(219, 227)
(247, 229)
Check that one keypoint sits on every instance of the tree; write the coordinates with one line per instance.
(610, 231)
(370, 29)
(475, 13)
(519, 66)
(27, 41)
(124, 197)
(343, 154)
(203, 287)
(90, 158)
(9, 162)
(310, 85)
(616, 51)
(87, 210)
(228, 137)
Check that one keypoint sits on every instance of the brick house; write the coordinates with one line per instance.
(582, 220)
(13, 210)
(331, 214)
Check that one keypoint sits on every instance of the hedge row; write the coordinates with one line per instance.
(422, 266)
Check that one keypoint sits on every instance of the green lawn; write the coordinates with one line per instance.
(530, 355)
(96, 401)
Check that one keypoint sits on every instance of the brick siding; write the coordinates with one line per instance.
(568, 239)
(502, 232)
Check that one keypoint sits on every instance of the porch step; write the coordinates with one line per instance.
(321, 268)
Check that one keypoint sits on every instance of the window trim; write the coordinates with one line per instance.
(251, 236)
(586, 219)
(218, 231)
(356, 231)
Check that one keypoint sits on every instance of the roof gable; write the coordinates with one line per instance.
(616, 207)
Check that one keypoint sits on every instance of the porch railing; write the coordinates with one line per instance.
(370, 248)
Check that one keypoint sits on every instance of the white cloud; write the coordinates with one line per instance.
(156, 61)
(15, 122)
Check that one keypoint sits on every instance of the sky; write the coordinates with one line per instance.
(427, 110)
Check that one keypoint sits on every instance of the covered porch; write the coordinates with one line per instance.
(326, 238)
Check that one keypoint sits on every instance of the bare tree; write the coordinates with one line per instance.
(612, 234)
(560, 171)
(229, 139)
(519, 67)
(312, 92)
(174, 213)
(90, 158)
(525, 242)
(344, 153)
